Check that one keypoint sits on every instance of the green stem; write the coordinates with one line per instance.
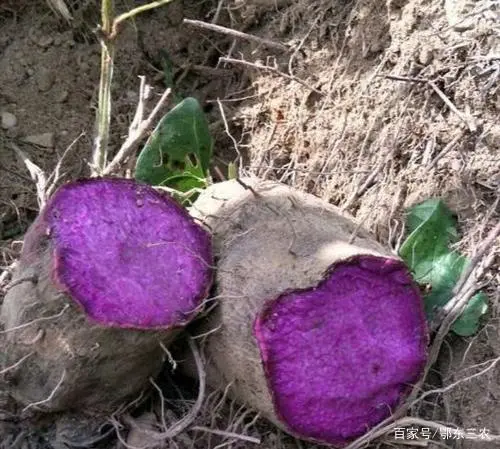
(107, 15)
(103, 117)
(135, 11)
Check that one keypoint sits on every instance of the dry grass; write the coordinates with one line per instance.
(60, 8)
(372, 144)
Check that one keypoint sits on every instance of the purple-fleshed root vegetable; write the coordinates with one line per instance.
(318, 327)
(109, 270)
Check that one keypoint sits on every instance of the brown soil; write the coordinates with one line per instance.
(378, 105)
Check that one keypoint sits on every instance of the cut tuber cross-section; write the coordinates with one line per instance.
(319, 327)
(109, 270)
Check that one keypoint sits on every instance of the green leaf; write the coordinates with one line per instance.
(191, 178)
(433, 209)
(468, 323)
(427, 253)
(179, 151)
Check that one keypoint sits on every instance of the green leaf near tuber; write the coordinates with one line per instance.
(428, 254)
(179, 151)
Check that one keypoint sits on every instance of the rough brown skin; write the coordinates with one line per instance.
(100, 367)
(267, 239)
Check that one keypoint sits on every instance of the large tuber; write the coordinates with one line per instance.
(318, 327)
(109, 270)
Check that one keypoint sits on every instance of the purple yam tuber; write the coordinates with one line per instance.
(109, 270)
(319, 327)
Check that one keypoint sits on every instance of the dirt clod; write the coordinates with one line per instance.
(45, 78)
(9, 120)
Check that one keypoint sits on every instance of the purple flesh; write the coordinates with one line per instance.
(340, 357)
(128, 255)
